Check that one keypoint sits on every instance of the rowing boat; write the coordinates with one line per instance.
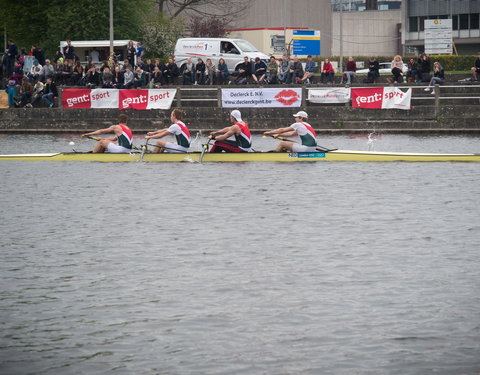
(337, 155)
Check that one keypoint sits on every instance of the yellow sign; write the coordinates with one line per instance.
(3, 99)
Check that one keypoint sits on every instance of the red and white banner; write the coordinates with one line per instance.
(329, 95)
(121, 99)
(262, 97)
(381, 98)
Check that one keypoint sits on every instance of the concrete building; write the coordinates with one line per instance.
(465, 15)
(269, 24)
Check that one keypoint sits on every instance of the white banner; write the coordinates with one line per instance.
(262, 97)
(395, 98)
(104, 98)
(160, 98)
(329, 95)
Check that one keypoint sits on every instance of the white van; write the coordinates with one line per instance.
(231, 50)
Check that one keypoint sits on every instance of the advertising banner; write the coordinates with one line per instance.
(3, 99)
(122, 99)
(381, 98)
(262, 97)
(329, 95)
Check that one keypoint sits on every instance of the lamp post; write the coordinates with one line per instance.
(111, 27)
(340, 63)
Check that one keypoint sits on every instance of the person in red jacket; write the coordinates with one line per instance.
(327, 71)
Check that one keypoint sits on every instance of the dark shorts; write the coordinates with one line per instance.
(225, 146)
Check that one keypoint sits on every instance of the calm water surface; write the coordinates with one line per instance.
(253, 268)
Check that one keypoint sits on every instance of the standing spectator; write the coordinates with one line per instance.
(259, 70)
(295, 72)
(373, 70)
(476, 68)
(94, 56)
(438, 77)
(171, 72)
(118, 78)
(131, 52)
(26, 90)
(21, 58)
(411, 70)
(139, 79)
(41, 56)
(351, 71)
(272, 69)
(424, 68)
(140, 50)
(35, 72)
(397, 69)
(36, 94)
(244, 71)
(188, 71)
(11, 91)
(309, 69)
(327, 71)
(77, 74)
(48, 71)
(284, 67)
(11, 54)
(222, 72)
(128, 78)
(50, 92)
(209, 72)
(69, 52)
(199, 72)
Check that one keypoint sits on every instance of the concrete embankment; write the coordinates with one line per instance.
(458, 111)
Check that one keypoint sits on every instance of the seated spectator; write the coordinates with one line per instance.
(199, 72)
(92, 78)
(188, 72)
(373, 70)
(259, 70)
(411, 71)
(309, 69)
(118, 79)
(284, 67)
(397, 69)
(272, 71)
(107, 79)
(244, 72)
(35, 72)
(11, 91)
(295, 72)
(160, 64)
(351, 71)
(17, 74)
(77, 74)
(423, 68)
(140, 64)
(327, 71)
(50, 92)
(156, 78)
(171, 72)
(125, 65)
(209, 72)
(438, 77)
(58, 55)
(476, 68)
(48, 71)
(67, 73)
(222, 74)
(148, 69)
(139, 78)
(128, 78)
(26, 90)
(36, 94)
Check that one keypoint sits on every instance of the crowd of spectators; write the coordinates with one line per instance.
(40, 82)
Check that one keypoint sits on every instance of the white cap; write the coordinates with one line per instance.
(236, 114)
(301, 114)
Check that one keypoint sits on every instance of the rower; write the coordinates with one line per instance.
(242, 141)
(178, 129)
(121, 143)
(301, 128)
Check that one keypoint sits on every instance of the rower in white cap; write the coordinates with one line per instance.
(301, 128)
(242, 139)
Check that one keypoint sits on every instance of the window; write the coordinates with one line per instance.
(455, 22)
(463, 21)
(474, 18)
(422, 23)
(413, 24)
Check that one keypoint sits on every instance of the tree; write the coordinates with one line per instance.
(227, 9)
(160, 35)
(207, 27)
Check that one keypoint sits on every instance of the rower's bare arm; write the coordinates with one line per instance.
(231, 131)
(158, 134)
(278, 131)
(292, 133)
(221, 131)
(111, 129)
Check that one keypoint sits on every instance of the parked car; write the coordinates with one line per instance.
(385, 67)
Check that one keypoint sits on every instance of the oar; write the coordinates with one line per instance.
(204, 149)
(318, 148)
(144, 149)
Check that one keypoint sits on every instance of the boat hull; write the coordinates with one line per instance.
(338, 155)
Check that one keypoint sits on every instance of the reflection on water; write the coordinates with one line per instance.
(187, 268)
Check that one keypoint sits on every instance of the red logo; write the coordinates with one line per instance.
(287, 97)
(136, 99)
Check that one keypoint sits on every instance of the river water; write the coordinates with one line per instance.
(247, 268)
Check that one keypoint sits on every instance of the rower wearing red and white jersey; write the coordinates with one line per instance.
(301, 128)
(242, 139)
(178, 129)
(121, 143)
